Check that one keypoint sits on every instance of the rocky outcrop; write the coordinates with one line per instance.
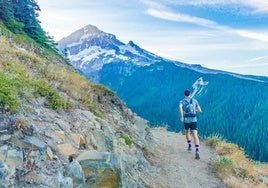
(62, 130)
(75, 148)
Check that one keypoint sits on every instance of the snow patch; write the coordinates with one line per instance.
(127, 47)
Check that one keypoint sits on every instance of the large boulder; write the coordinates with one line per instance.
(101, 169)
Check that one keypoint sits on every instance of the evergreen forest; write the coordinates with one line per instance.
(21, 17)
(234, 108)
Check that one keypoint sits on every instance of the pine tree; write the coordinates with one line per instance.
(21, 16)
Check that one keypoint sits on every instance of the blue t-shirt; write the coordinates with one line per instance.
(185, 102)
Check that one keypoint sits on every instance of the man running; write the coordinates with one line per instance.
(188, 109)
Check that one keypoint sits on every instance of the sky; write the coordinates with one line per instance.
(230, 35)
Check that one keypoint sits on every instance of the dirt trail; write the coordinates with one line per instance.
(179, 168)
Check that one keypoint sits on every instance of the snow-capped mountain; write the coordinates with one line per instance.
(89, 49)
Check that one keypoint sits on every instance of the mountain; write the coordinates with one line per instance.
(90, 49)
(234, 105)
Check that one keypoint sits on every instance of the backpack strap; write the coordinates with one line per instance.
(188, 102)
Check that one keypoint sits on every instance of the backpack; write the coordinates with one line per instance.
(189, 108)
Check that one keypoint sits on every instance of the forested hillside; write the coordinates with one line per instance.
(21, 17)
(233, 107)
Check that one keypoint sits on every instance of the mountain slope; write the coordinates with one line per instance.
(60, 130)
(233, 105)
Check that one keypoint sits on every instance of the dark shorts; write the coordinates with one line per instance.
(191, 126)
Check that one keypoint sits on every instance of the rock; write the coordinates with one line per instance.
(29, 130)
(101, 168)
(108, 178)
(93, 156)
(5, 137)
(103, 142)
(60, 134)
(78, 139)
(35, 154)
(74, 170)
(263, 179)
(38, 178)
(66, 149)
(92, 141)
(49, 154)
(66, 182)
(36, 142)
(14, 157)
(4, 148)
(4, 174)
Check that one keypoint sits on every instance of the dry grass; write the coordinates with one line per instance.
(25, 65)
(234, 168)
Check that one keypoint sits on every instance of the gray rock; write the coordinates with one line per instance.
(66, 182)
(101, 167)
(263, 179)
(74, 170)
(4, 171)
(103, 142)
(15, 156)
(5, 137)
(36, 142)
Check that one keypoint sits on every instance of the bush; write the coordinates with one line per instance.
(214, 140)
(88, 103)
(8, 94)
(222, 163)
(225, 148)
(128, 141)
(42, 88)
(54, 100)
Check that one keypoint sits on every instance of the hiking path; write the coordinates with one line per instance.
(178, 167)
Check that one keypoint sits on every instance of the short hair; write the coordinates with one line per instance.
(187, 92)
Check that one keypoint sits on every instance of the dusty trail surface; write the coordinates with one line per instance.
(179, 168)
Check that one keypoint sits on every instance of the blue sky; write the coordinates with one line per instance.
(227, 35)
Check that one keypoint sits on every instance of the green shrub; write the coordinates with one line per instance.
(54, 100)
(43, 88)
(88, 103)
(8, 94)
(214, 140)
(222, 163)
(128, 141)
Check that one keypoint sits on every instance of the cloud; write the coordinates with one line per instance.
(258, 59)
(250, 6)
(252, 35)
(161, 11)
(180, 17)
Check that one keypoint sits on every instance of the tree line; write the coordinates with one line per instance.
(21, 16)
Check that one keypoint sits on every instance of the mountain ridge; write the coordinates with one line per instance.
(121, 48)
